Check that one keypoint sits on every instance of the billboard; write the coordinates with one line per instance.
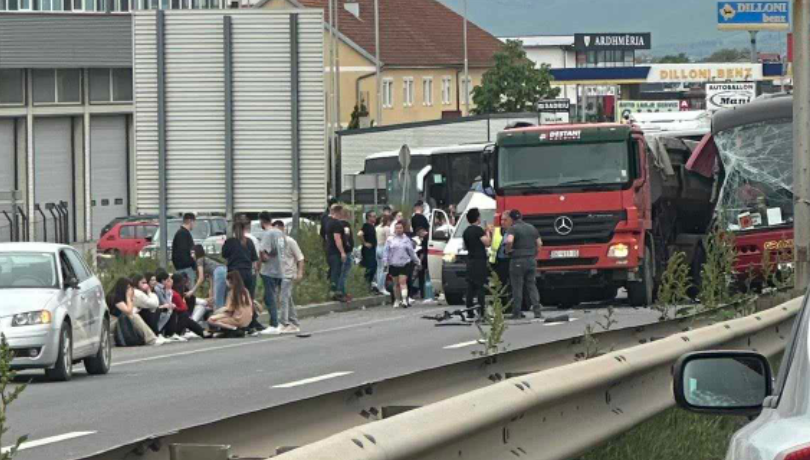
(624, 109)
(728, 95)
(612, 41)
(753, 15)
(705, 72)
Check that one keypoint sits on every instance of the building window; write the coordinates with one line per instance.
(427, 91)
(447, 90)
(110, 85)
(388, 93)
(12, 87)
(57, 86)
(407, 91)
(466, 85)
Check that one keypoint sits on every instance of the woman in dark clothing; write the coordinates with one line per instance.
(240, 254)
(181, 319)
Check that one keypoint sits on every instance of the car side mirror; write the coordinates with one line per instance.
(441, 235)
(723, 382)
(71, 282)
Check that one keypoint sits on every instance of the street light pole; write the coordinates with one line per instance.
(754, 58)
(377, 57)
(466, 65)
(801, 141)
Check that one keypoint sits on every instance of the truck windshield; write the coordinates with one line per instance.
(552, 165)
(758, 163)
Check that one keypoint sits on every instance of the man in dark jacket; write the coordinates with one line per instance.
(182, 248)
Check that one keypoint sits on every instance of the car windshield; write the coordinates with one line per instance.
(550, 165)
(758, 163)
(202, 230)
(487, 217)
(28, 270)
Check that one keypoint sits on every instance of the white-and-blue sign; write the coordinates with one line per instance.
(753, 15)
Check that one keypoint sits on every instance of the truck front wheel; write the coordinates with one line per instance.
(641, 293)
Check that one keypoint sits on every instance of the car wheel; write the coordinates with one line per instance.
(63, 369)
(99, 364)
(454, 298)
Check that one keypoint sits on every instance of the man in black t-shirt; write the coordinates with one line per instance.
(182, 247)
(476, 241)
(420, 222)
(368, 236)
(336, 254)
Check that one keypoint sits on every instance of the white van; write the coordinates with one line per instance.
(446, 253)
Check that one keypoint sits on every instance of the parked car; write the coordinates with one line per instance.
(206, 227)
(117, 220)
(127, 238)
(52, 310)
(452, 271)
(740, 383)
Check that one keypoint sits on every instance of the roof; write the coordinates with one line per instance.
(536, 41)
(463, 148)
(31, 247)
(413, 33)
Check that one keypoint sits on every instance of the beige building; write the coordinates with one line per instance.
(421, 54)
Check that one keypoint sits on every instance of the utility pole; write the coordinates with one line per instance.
(466, 85)
(333, 109)
(754, 57)
(801, 141)
(377, 57)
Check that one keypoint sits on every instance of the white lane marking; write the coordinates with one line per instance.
(51, 440)
(462, 345)
(320, 378)
(570, 320)
(254, 342)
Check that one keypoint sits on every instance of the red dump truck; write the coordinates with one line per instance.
(610, 203)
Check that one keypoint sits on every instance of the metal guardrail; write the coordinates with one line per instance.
(280, 428)
(532, 416)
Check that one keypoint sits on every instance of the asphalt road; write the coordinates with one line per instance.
(154, 390)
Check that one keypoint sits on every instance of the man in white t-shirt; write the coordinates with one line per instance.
(292, 270)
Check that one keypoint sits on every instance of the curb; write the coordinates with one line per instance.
(327, 308)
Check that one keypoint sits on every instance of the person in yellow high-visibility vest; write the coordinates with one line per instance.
(500, 260)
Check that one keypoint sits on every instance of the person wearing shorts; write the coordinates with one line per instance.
(398, 255)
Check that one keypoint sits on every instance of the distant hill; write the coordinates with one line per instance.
(677, 26)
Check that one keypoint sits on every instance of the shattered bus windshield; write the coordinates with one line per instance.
(758, 163)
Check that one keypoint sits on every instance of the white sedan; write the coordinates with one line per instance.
(52, 310)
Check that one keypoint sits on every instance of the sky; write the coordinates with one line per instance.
(673, 23)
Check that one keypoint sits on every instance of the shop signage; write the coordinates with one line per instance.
(753, 15)
(613, 41)
(624, 109)
(727, 95)
(718, 72)
(554, 106)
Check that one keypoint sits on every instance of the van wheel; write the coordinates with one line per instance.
(63, 369)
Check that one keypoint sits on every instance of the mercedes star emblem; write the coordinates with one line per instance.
(563, 225)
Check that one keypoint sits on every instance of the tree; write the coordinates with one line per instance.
(514, 84)
(729, 55)
(681, 58)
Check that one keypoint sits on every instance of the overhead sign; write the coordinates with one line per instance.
(753, 15)
(624, 109)
(709, 72)
(554, 106)
(727, 95)
(613, 41)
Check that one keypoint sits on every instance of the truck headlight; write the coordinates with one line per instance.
(449, 258)
(31, 318)
(619, 251)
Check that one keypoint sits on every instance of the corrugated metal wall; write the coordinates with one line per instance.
(355, 146)
(42, 40)
(195, 111)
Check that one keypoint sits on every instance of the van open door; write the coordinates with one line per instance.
(440, 233)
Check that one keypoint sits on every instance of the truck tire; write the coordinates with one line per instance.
(640, 294)
(454, 298)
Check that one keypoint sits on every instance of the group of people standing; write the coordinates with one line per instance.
(153, 309)
(390, 246)
(514, 253)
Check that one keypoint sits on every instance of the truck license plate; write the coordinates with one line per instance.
(567, 254)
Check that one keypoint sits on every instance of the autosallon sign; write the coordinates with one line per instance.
(753, 15)
(728, 95)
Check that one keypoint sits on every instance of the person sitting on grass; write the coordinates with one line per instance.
(238, 311)
(130, 330)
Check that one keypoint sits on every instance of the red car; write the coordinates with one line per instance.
(127, 238)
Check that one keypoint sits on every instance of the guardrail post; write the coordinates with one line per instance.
(26, 236)
(57, 222)
(10, 226)
(62, 209)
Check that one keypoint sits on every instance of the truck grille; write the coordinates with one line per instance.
(588, 228)
(567, 262)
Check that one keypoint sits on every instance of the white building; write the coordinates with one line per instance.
(557, 51)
